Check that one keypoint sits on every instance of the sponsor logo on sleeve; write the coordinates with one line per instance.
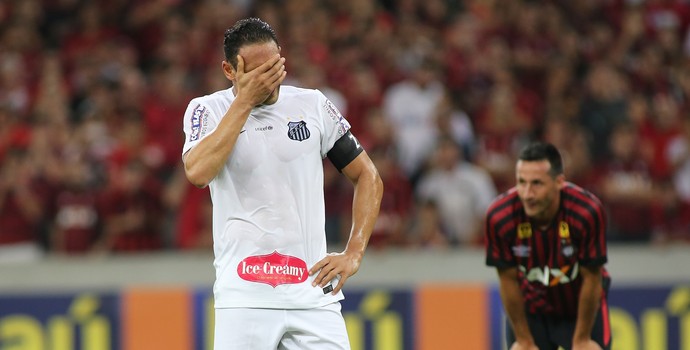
(199, 120)
(273, 269)
(334, 113)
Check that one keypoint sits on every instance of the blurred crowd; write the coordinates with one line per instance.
(442, 93)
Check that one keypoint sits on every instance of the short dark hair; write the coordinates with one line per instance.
(246, 31)
(537, 151)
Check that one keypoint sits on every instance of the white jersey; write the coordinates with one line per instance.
(268, 205)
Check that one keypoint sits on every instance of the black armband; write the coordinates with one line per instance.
(345, 150)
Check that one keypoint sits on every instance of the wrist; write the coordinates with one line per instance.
(525, 342)
(242, 103)
(355, 251)
(581, 339)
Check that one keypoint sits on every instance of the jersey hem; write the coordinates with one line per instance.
(276, 305)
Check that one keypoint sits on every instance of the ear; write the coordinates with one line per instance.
(560, 180)
(228, 70)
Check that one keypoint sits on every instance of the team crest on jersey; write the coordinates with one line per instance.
(524, 230)
(298, 131)
(564, 230)
(273, 269)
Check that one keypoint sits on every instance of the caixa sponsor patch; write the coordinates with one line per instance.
(273, 269)
(551, 276)
(198, 122)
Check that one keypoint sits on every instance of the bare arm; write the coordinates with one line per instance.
(365, 209)
(203, 162)
(511, 295)
(590, 297)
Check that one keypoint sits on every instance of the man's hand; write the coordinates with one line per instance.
(257, 85)
(588, 344)
(343, 265)
(519, 346)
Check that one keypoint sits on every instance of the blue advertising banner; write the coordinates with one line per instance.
(496, 319)
(650, 317)
(203, 319)
(380, 319)
(376, 319)
(60, 321)
(642, 318)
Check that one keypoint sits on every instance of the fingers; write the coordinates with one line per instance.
(324, 269)
(317, 267)
(267, 68)
(275, 73)
(340, 285)
(240, 65)
(329, 269)
(257, 84)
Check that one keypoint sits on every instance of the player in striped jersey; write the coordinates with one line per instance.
(547, 239)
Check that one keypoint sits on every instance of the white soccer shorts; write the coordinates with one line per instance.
(320, 328)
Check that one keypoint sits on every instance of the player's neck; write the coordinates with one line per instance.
(547, 217)
(541, 225)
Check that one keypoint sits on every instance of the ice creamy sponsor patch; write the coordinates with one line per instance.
(273, 269)
(199, 120)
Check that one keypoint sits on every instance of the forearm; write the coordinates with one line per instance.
(514, 306)
(365, 209)
(203, 162)
(589, 299)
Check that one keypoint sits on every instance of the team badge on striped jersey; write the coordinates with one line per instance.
(298, 131)
(564, 230)
(524, 230)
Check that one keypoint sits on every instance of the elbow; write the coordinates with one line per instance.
(377, 185)
(371, 177)
(195, 178)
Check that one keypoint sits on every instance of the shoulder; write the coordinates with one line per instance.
(219, 99)
(294, 92)
(580, 195)
(220, 95)
(582, 201)
(503, 206)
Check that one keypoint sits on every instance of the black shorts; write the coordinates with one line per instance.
(550, 332)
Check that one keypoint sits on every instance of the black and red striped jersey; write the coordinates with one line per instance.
(548, 260)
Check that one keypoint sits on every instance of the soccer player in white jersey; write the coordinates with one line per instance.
(259, 146)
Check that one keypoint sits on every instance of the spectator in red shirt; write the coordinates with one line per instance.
(665, 127)
(76, 223)
(396, 204)
(21, 207)
(191, 211)
(169, 97)
(670, 217)
(626, 187)
(132, 211)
